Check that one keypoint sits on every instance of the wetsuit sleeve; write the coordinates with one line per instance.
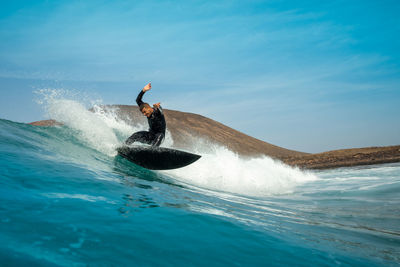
(139, 98)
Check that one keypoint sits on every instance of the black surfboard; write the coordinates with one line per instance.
(157, 158)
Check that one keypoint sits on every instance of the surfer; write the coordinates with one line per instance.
(156, 120)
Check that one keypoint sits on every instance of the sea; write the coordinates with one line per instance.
(68, 199)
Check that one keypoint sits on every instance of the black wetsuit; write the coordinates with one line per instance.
(157, 125)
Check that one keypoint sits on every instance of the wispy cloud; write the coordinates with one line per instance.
(217, 58)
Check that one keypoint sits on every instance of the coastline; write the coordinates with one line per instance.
(346, 158)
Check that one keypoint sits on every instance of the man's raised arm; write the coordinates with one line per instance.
(144, 90)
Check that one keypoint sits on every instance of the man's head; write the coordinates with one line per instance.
(146, 109)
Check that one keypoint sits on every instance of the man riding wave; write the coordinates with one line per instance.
(155, 117)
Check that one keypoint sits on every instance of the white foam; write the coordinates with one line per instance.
(98, 129)
(92, 129)
(223, 170)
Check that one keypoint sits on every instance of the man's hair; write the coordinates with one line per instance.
(144, 105)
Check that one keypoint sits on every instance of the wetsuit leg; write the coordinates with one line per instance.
(158, 138)
(142, 137)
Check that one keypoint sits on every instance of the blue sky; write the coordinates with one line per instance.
(306, 75)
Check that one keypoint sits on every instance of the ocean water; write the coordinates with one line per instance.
(66, 199)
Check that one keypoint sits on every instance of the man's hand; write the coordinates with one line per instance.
(157, 105)
(147, 87)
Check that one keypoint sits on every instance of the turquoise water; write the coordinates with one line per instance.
(67, 200)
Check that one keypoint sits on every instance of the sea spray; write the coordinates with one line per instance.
(98, 125)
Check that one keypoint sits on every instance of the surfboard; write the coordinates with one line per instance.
(157, 158)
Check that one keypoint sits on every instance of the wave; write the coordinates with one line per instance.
(219, 169)
(57, 169)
